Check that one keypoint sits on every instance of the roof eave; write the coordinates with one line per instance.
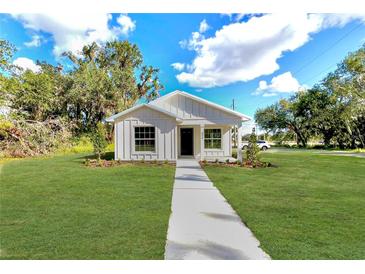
(112, 118)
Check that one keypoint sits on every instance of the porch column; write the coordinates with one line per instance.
(239, 142)
(201, 142)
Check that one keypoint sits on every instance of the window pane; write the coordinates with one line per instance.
(144, 139)
(217, 134)
(212, 138)
(217, 143)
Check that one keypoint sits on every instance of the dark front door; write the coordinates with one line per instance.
(186, 137)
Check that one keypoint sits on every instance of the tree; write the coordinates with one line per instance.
(346, 85)
(34, 95)
(7, 51)
(98, 139)
(333, 109)
(281, 116)
(124, 61)
(105, 81)
(318, 110)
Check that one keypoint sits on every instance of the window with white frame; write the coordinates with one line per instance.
(212, 138)
(144, 139)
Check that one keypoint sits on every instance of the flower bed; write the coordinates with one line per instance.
(257, 164)
(112, 163)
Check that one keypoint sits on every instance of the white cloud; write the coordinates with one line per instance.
(238, 16)
(35, 42)
(203, 26)
(283, 83)
(269, 94)
(178, 66)
(72, 31)
(242, 51)
(340, 19)
(26, 63)
(126, 23)
(193, 42)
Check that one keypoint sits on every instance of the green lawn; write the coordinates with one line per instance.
(310, 207)
(56, 208)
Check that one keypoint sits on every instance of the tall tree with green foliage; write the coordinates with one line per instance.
(34, 98)
(108, 79)
(333, 109)
(7, 51)
(284, 115)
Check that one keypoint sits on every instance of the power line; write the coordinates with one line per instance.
(319, 74)
(328, 48)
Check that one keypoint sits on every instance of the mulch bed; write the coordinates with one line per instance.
(113, 163)
(236, 164)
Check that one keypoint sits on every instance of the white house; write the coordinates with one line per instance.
(175, 125)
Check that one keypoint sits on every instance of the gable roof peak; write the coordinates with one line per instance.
(201, 100)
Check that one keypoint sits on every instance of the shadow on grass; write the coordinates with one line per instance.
(106, 156)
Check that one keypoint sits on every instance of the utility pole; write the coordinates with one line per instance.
(233, 106)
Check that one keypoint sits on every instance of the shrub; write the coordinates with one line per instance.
(98, 138)
(5, 128)
(216, 161)
(252, 150)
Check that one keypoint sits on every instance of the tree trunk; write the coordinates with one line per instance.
(327, 138)
(361, 138)
(300, 138)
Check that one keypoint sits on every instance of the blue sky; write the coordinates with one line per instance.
(221, 57)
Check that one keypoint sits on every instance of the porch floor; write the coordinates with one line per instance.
(221, 159)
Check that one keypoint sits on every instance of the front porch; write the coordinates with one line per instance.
(209, 142)
(221, 159)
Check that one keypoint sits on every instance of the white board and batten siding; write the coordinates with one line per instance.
(165, 135)
(225, 151)
(168, 115)
(194, 112)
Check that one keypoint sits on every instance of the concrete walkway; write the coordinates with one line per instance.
(202, 224)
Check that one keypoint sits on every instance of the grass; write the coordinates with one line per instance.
(56, 208)
(310, 207)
